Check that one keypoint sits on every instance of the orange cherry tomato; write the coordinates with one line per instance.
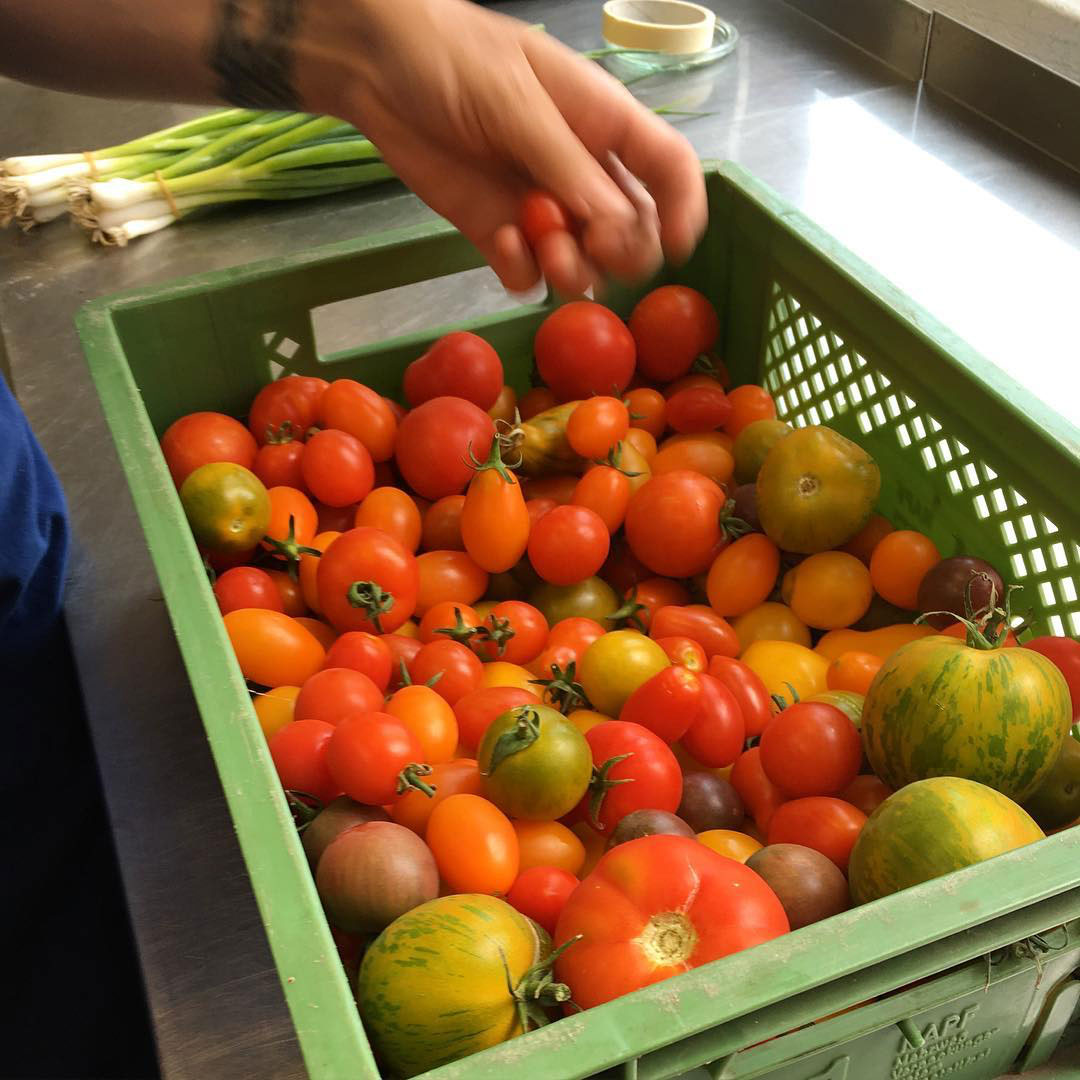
(586, 719)
(830, 590)
(309, 569)
(323, 633)
(634, 463)
(495, 522)
(293, 521)
(853, 671)
(275, 708)
(862, 544)
(458, 777)
(594, 843)
(445, 616)
(576, 633)
(429, 718)
(700, 455)
(748, 403)
(646, 408)
(684, 652)
(442, 524)
(501, 673)
(559, 487)
(898, 565)
(292, 596)
(771, 622)
(393, 511)
(714, 438)
(642, 441)
(535, 401)
(729, 843)
(606, 492)
(547, 843)
(743, 574)
(474, 844)
(448, 575)
(350, 406)
(505, 405)
(273, 649)
(596, 426)
(649, 596)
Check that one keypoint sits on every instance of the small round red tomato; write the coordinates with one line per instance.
(356, 409)
(333, 694)
(203, 438)
(337, 468)
(474, 844)
(672, 326)
(568, 545)
(631, 753)
(288, 406)
(699, 623)
(367, 581)
(673, 523)
(759, 794)
(279, 464)
(828, 825)
(667, 704)
(649, 596)
(459, 364)
(374, 758)
(596, 426)
(656, 907)
(698, 408)
(448, 575)
(748, 404)
(391, 509)
(515, 632)
(246, 587)
(272, 649)
(335, 519)
(436, 443)
(606, 492)
(477, 709)
(458, 669)
(577, 633)
(866, 792)
(718, 732)
(458, 777)
(403, 652)
(442, 525)
(648, 410)
(292, 597)
(429, 718)
(535, 401)
(539, 214)
(540, 894)
(811, 749)
(749, 691)
(362, 652)
(448, 619)
(1064, 654)
(298, 751)
(538, 508)
(685, 653)
(579, 329)
(549, 843)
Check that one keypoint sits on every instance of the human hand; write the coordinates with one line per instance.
(471, 109)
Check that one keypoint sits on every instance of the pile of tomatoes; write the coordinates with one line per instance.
(591, 649)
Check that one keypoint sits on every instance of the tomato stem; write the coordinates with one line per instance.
(277, 436)
(613, 459)
(524, 733)
(562, 690)
(537, 989)
(988, 628)
(781, 702)
(731, 526)
(628, 615)
(600, 785)
(409, 778)
(303, 813)
(461, 631)
(371, 598)
(497, 630)
(289, 550)
(494, 462)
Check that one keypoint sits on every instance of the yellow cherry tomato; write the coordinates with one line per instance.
(615, 665)
(770, 622)
(500, 673)
(779, 663)
(586, 719)
(728, 842)
(275, 708)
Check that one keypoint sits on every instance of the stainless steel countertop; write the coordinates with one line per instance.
(976, 227)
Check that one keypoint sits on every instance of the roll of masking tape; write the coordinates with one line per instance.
(665, 26)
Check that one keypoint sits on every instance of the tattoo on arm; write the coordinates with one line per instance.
(255, 63)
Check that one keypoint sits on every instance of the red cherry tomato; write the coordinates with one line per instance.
(337, 468)
(540, 214)
(577, 633)
(367, 581)
(449, 619)
(866, 792)
(759, 794)
(655, 593)
(596, 426)
(684, 653)
(442, 525)
(540, 893)
(403, 651)
(698, 408)
(202, 438)
(458, 669)
(606, 492)
(288, 406)
(246, 587)
(477, 709)
(538, 508)
(517, 633)
(811, 748)
(748, 690)
(333, 694)
(292, 596)
(828, 825)
(299, 753)
(672, 327)
(699, 623)
(1064, 654)
(375, 758)
(667, 704)
(568, 545)
(279, 464)
(718, 732)
(584, 329)
(459, 364)
(435, 441)
(365, 653)
(628, 752)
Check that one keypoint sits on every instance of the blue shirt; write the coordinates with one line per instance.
(34, 537)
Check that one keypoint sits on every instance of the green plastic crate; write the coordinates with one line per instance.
(966, 456)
